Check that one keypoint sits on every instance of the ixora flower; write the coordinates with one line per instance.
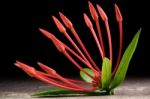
(98, 80)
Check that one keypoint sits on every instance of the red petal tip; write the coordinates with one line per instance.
(40, 29)
(92, 11)
(46, 68)
(118, 13)
(29, 70)
(102, 13)
(65, 20)
(59, 25)
(58, 44)
(46, 33)
(87, 21)
(17, 65)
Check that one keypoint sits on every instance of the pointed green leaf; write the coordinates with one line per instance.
(106, 73)
(124, 63)
(58, 92)
(52, 92)
(85, 76)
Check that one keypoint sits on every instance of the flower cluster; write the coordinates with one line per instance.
(93, 75)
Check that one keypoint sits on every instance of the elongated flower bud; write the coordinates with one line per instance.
(93, 11)
(47, 69)
(28, 69)
(118, 13)
(56, 42)
(66, 21)
(87, 21)
(46, 33)
(102, 13)
(105, 19)
(60, 27)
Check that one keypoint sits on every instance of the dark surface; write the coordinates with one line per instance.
(23, 88)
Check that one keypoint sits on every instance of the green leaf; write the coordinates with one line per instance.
(85, 76)
(123, 66)
(106, 73)
(58, 92)
(51, 91)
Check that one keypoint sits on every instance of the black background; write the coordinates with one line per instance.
(21, 40)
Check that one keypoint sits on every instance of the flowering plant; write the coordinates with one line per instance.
(98, 81)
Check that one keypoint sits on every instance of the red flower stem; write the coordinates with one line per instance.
(58, 84)
(76, 64)
(62, 29)
(43, 77)
(83, 61)
(58, 44)
(120, 49)
(77, 56)
(53, 72)
(75, 46)
(79, 82)
(61, 48)
(105, 19)
(66, 84)
(46, 68)
(54, 39)
(109, 41)
(87, 64)
(96, 73)
(100, 36)
(69, 82)
(95, 18)
(74, 81)
(84, 49)
(69, 25)
(97, 42)
(45, 74)
(119, 20)
(90, 26)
